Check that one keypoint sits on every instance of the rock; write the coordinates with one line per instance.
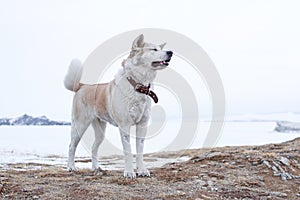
(267, 163)
(288, 176)
(280, 168)
(195, 177)
(210, 183)
(201, 183)
(283, 177)
(279, 194)
(210, 188)
(260, 178)
(277, 174)
(275, 169)
(255, 163)
(276, 164)
(284, 161)
(179, 192)
(216, 175)
(27, 120)
(197, 159)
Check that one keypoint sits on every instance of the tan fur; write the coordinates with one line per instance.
(101, 101)
(116, 103)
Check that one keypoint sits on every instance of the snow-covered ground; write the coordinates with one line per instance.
(49, 144)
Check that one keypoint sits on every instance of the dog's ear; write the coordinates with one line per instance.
(138, 42)
(162, 45)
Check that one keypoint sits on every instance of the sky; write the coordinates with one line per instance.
(254, 44)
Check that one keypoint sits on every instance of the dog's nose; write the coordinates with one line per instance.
(169, 53)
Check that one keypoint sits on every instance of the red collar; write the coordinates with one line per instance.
(142, 89)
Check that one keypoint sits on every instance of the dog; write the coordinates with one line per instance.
(123, 102)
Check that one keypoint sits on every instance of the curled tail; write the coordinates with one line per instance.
(72, 79)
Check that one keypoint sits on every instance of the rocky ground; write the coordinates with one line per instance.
(249, 172)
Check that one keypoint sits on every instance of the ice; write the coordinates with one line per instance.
(286, 126)
(49, 144)
(288, 116)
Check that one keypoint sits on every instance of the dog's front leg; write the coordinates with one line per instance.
(141, 131)
(125, 137)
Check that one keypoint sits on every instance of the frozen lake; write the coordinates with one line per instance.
(43, 143)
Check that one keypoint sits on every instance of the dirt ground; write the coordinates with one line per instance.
(250, 172)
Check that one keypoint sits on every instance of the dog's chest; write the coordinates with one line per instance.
(137, 108)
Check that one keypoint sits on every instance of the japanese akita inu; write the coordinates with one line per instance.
(123, 102)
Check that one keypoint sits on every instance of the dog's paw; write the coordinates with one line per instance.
(130, 174)
(143, 172)
(71, 169)
(98, 171)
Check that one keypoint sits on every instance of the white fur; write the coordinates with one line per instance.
(116, 103)
(72, 79)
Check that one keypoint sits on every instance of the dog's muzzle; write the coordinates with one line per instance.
(164, 63)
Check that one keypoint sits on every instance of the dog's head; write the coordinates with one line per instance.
(149, 55)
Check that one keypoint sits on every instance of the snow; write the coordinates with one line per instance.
(252, 133)
(49, 144)
(288, 116)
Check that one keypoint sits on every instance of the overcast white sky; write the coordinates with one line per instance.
(255, 45)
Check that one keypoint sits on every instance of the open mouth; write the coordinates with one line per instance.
(161, 63)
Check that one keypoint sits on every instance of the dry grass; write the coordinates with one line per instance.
(221, 173)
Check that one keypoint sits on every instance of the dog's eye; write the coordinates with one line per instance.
(154, 49)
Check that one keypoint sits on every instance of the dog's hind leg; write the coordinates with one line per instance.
(77, 130)
(99, 128)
